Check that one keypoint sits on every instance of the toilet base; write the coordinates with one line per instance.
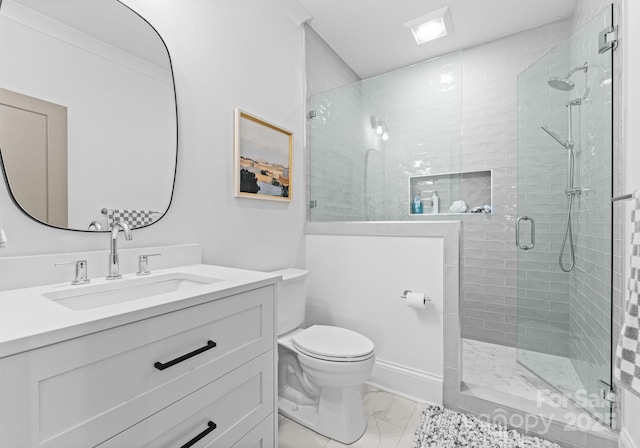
(339, 414)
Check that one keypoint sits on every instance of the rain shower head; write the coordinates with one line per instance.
(564, 83)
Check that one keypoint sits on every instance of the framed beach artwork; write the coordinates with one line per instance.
(263, 159)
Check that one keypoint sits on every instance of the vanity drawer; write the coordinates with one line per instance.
(83, 391)
(218, 415)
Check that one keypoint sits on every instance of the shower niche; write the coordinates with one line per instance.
(474, 188)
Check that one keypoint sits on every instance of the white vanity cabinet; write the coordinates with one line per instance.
(201, 376)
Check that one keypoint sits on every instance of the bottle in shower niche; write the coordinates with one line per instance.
(416, 205)
(435, 203)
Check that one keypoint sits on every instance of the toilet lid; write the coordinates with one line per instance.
(333, 343)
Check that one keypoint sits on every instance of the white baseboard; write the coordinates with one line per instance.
(413, 384)
(625, 440)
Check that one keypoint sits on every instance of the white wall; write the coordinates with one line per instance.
(356, 282)
(226, 54)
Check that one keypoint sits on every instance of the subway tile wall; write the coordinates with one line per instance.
(421, 108)
(337, 161)
(490, 132)
(543, 288)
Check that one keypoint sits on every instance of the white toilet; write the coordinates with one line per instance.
(321, 368)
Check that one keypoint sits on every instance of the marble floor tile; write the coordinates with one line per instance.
(292, 435)
(387, 407)
(391, 423)
(406, 441)
(495, 366)
(557, 370)
(379, 434)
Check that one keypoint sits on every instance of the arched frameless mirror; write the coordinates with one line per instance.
(88, 120)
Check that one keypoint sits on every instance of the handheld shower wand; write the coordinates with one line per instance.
(568, 144)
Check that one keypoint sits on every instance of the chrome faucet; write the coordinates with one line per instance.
(114, 261)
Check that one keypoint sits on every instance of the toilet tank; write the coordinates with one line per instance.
(292, 299)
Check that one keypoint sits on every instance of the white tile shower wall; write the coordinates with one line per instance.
(489, 129)
(420, 105)
(584, 11)
(337, 164)
(543, 289)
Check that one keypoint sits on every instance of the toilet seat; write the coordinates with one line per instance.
(333, 344)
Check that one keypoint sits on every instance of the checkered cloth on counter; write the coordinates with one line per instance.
(135, 218)
(627, 368)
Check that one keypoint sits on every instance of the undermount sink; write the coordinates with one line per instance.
(119, 291)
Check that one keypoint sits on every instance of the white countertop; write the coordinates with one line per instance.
(29, 320)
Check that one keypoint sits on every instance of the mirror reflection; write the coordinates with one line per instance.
(88, 126)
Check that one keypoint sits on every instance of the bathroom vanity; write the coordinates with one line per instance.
(189, 365)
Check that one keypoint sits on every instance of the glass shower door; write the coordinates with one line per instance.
(564, 230)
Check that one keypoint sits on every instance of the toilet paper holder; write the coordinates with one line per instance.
(407, 291)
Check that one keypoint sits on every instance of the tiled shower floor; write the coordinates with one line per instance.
(496, 367)
(392, 421)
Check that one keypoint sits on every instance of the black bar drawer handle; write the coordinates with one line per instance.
(210, 427)
(173, 362)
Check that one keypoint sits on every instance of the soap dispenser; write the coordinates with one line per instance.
(435, 203)
(416, 205)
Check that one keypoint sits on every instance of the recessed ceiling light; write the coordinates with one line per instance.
(431, 26)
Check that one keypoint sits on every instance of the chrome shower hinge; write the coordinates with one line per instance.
(608, 38)
(609, 394)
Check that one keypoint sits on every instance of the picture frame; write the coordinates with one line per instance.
(263, 159)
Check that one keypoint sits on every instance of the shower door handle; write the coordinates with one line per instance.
(533, 233)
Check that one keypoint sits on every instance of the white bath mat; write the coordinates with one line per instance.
(442, 428)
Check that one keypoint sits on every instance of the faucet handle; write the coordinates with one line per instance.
(81, 271)
(143, 264)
